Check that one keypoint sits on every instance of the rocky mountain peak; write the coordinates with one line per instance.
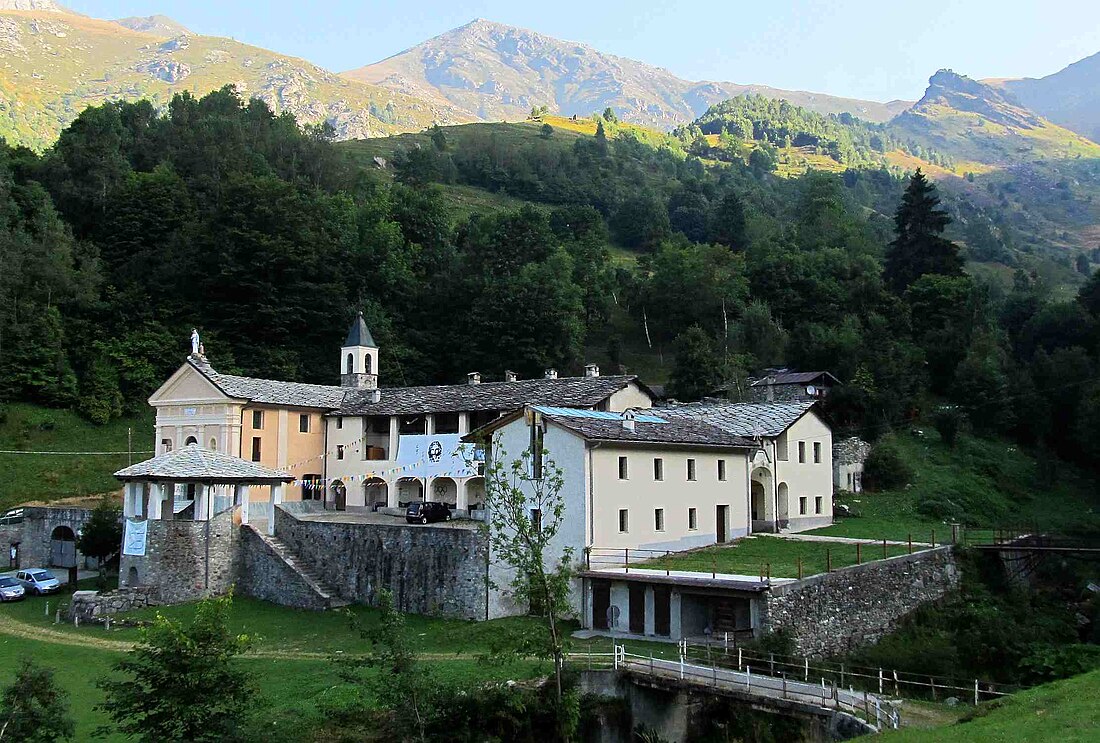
(40, 5)
(950, 89)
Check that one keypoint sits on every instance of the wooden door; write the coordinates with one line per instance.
(601, 602)
(637, 609)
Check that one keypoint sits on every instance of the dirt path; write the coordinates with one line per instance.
(22, 630)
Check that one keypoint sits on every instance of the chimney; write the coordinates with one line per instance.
(375, 395)
(628, 420)
(473, 378)
(510, 376)
(771, 388)
(591, 370)
(550, 374)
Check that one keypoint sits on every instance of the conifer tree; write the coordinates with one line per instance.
(920, 247)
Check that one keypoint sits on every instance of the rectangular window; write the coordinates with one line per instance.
(659, 519)
(802, 452)
(818, 503)
(693, 519)
(623, 472)
(802, 505)
(536, 450)
(339, 422)
(691, 469)
(340, 451)
(303, 423)
(658, 469)
(536, 520)
(165, 446)
(817, 452)
(721, 470)
(255, 448)
(624, 521)
(257, 420)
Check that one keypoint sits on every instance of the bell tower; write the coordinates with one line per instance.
(359, 357)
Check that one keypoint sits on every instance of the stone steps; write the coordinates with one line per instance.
(309, 575)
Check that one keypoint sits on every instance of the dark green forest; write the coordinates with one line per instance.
(268, 237)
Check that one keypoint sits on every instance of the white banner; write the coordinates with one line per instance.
(439, 455)
(134, 537)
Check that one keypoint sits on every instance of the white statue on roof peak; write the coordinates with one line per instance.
(195, 343)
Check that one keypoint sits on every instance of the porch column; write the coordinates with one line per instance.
(429, 424)
(156, 504)
(463, 423)
(462, 497)
(245, 497)
(276, 499)
(394, 434)
(170, 505)
(199, 506)
(391, 493)
(650, 610)
(675, 623)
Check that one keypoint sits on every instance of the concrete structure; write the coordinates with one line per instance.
(41, 536)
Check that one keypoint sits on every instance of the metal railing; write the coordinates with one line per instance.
(866, 706)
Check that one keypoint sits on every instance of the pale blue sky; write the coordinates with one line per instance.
(875, 50)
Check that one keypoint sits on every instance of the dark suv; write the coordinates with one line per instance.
(424, 513)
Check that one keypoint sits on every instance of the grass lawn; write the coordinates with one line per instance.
(752, 555)
(981, 482)
(1066, 711)
(30, 477)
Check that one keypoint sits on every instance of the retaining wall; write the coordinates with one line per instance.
(429, 570)
(857, 605)
(266, 576)
(90, 605)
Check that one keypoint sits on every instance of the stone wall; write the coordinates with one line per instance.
(429, 569)
(265, 575)
(88, 606)
(34, 532)
(855, 606)
(186, 560)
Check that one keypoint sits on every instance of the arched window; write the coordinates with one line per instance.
(366, 363)
(213, 444)
(190, 440)
(351, 364)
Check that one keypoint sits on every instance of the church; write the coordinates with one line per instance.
(357, 444)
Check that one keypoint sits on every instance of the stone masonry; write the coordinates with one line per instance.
(34, 532)
(858, 605)
(437, 571)
(89, 606)
(266, 575)
(186, 560)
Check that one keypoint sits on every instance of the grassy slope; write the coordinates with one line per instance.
(47, 478)
(53, 65)
(1067, 711)
(994, 481)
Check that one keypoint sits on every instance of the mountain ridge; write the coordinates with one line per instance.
(1069, 97)
(495, 71)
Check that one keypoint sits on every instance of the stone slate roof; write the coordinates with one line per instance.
(572, 392)
(668, 431)
(795, 378)
(192, 462)
(359, 334)
(742, 419)
(274, 392)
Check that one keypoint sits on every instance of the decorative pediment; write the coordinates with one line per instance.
(187, 386)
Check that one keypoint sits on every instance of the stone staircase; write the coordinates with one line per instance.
(326, 594)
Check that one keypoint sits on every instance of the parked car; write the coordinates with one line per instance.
(427, 512)
(38, 581)
(11, 589)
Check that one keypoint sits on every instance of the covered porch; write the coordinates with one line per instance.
(197, 484)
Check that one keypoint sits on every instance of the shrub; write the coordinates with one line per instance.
(947, 422)
(885, 469)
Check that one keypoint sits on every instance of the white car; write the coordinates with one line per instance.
(11, 589)
(38, 581)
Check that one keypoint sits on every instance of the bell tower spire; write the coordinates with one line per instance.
(359, 357)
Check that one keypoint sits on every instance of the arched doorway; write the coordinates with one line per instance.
(340, 495)
(132, 580)
(376, 493)
(784, 513)
(63, 547)
(762, 500)
(475, 494)
(409, 489)
(445, 490)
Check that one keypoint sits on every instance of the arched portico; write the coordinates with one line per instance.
(783, 504)
(444, 490)
(409, 489)
(474, 494)
(375, 491)
(762, 499)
